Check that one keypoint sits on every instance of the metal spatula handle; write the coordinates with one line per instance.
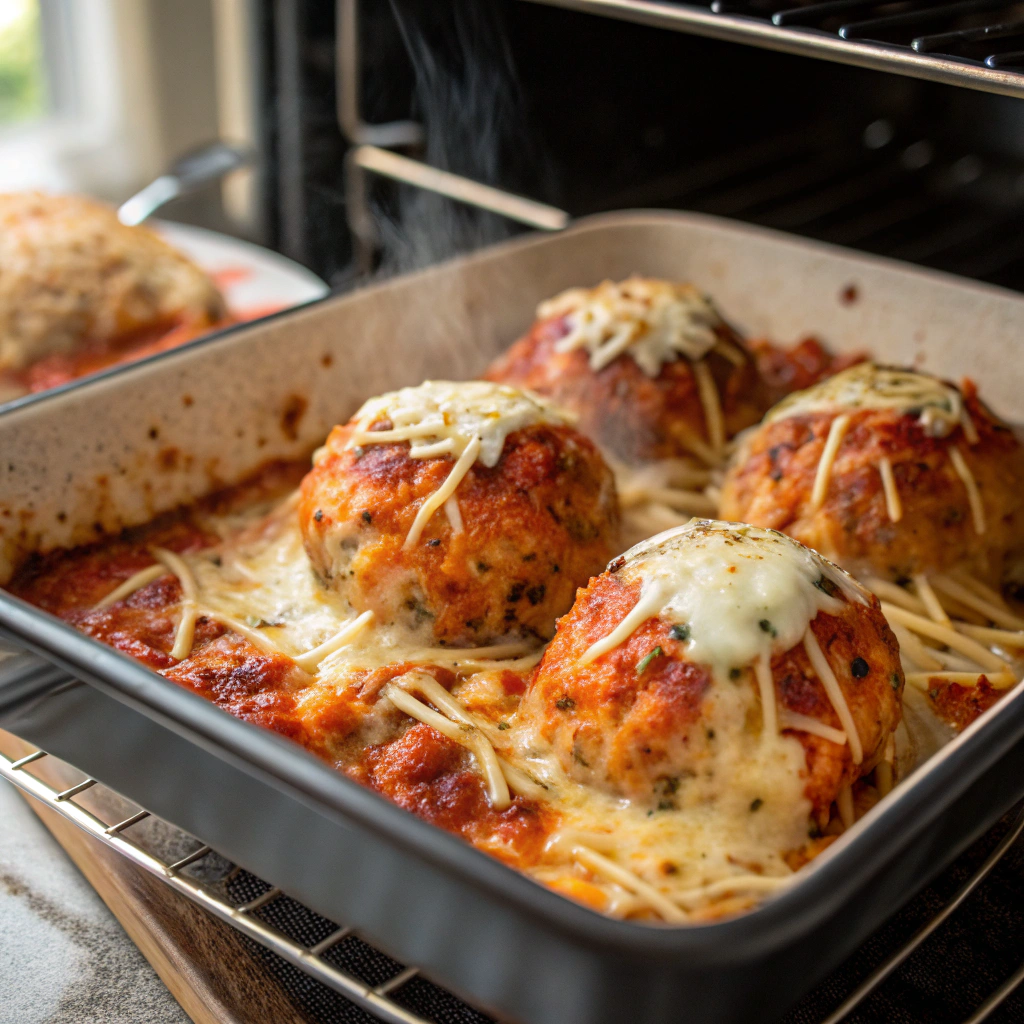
(188, 173)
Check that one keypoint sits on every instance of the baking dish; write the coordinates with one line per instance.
(142, 439)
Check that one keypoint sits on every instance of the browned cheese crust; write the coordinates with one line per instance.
(538, 525)
(632, 416)
(771, 481)
(631, 731)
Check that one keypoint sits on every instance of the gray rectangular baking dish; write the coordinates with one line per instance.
(96, 456)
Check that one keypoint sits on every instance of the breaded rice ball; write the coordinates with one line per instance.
(469, 511)
(889, 472)
(690, 675)
(71, 273)
(649, 367)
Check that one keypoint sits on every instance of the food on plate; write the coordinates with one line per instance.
(472, 509)
(916, 487)
(79, 290)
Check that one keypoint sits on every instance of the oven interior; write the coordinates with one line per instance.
(590, 113)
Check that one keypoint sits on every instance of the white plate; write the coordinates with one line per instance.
(254, 281)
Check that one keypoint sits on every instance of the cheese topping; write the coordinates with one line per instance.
(938, 406)
(743, 593)
(655, 322)
(736, 808)
(443, 418)
(723, 840)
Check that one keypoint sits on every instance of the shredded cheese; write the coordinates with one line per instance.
(836, 433)
(312, 659)
(894, 593)
(988, 635)
(443, 493)
(602, 865)
(979, 588)
(454, 514)
(655, 322)
(936, 631)
(714, 422)
(824, 672)
(998, 613)
(937, 405)
(970, 430)
(913, 648)
(135, 582)
(742, 591)
(440, 419)
(970, 485)
(804, 723)
(185, 632)
(930, 601)
(482, 744)
(893, 505)
(693, 502)
(730, 352)
(254, 636)
(463, 730)
(738, 883)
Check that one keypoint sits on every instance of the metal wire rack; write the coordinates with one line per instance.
(978, 44)
(247, 904)
(383, 990)
(881, 187)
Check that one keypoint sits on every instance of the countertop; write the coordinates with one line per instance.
(64, 959)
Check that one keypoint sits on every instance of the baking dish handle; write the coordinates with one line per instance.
(26, 678)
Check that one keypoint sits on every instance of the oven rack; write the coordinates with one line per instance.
(975, 44)
(379, 1000)
(879, 187)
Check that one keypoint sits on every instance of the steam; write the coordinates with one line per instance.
(467, 95)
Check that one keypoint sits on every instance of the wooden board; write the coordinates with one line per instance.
(203, 962)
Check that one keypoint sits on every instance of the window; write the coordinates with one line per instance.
(22, 83)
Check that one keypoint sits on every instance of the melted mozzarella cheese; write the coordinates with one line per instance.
(653, 321)
(938, 406)
(738, 811)
(743, 593)
(443, 417)
(729, 822)
(267, 582)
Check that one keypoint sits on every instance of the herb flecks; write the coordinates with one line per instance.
(756, 804)
(565, 703)
(767, 627)
(665, 789)
(826, 586)
(680, 631)
(894, 680)
(579, 758)
(647, 659)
